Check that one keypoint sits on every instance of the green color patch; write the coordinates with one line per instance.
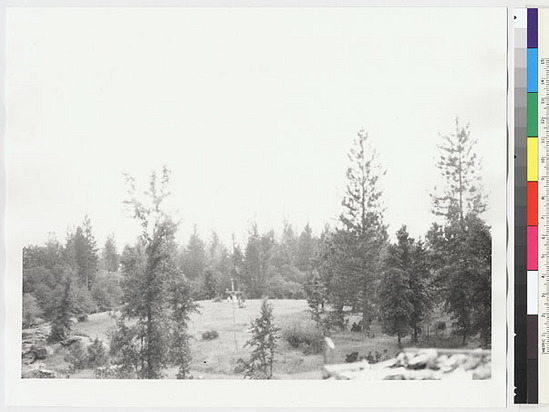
(532, 106)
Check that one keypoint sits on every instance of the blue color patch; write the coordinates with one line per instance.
(532, 70)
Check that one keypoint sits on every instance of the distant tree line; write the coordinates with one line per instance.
(93, 279)
(71, 279)
(266, 265)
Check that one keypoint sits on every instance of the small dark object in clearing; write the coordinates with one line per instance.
(210, 335)
(356, 327)
(351, 357)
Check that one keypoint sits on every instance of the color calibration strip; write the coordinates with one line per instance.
(531, 92)
(532, 205)
(521, 196)
(526, 205)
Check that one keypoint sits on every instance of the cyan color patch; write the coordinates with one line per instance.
(532, 70)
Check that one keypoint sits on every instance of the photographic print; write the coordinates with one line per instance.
(256, 194)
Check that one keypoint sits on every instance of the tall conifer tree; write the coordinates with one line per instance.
(462, 245)
(364, 233)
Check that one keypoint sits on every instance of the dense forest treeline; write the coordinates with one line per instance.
(269, 264)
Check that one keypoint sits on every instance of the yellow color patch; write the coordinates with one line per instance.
(532, 165)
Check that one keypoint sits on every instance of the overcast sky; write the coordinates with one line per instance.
(254, 111)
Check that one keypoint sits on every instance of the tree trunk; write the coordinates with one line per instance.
(142, 357)
(366, 320)
(341, 317)
(399, 340)
(149, 374)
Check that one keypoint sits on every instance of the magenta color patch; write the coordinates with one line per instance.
(532, 248)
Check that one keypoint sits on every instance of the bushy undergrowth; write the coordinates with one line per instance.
(371, 357)
(93, 356)
(210, 335)
(309, 339)
(77, 356)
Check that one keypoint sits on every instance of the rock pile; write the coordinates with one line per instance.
(46, 374)
(108, 372)
(32, 353)
(33, 347)
(39, 372)
(418, 364)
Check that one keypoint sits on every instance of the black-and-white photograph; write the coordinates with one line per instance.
(256, 193)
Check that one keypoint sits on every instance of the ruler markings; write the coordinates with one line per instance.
(543, 208)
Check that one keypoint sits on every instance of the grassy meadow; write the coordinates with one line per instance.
(218, 358)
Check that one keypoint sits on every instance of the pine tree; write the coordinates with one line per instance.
(211, 283)
(467, 277)
(81, 249)
(286, 249)
(395, 293)
(252, 263)
(317, 297)
(420, 283)
(43, 269)
(364, 234)
(194, 259)
(267, 246)
(461, 246)
(182, 306)
(263, 344)
(335, 280)
(459, 166)
(237, 270)
(65, 309)
(480, 248)
(125, 349)
(150, 273)
(97, 354)
(394, 296)
(110, 256)
(219, 262)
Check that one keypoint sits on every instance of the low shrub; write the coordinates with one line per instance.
(356, 326)
(97, 354)
(240, 366)
(371, 357)
(375, 357)
(309, 340)
(440, 327)
(77, 356)
(114, 372)
(83, 317)
(210, 335)
(351, 357)
(81, 357)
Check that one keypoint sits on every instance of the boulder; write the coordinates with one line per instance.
(418, 364)
(70, 340)
(40, 352)
(483, 372)
(424, 359)
(46, 374)
(27, 357)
